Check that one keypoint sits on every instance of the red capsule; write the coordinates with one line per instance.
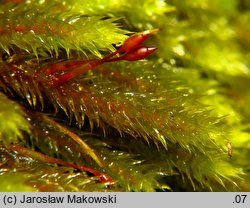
(139, 53)
(135, 41)
(131, 44)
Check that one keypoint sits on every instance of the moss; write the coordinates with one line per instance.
(164, 123)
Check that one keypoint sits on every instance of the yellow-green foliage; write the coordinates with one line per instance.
(12, 121)
(43, 30)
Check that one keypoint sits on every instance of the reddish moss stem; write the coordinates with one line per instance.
(44, 158)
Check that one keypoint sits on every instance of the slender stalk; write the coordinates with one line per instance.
(85, 148)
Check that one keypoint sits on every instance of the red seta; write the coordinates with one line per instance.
(131, 51)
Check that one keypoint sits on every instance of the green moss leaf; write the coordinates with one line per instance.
(12, 121)
(37, 32)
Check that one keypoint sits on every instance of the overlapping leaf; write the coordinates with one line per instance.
(117, 95)
(41, 30)
(154, 133)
